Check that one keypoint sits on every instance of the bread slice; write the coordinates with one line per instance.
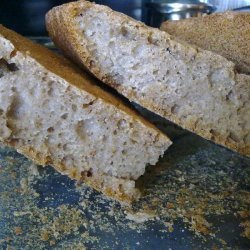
(55, 114)
(197, 89)
(227, 34)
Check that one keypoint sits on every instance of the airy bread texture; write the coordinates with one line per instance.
(55, 114)
(197, 89)
(227, 34)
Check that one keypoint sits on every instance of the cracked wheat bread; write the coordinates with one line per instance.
(197, 89)
(56, 114)
(227, 34)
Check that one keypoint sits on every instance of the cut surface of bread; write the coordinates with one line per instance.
(197, 89)
(227, 34)
(55, 114)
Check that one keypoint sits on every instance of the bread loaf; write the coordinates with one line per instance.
(197, 89)
(56, 114)
(227, 34)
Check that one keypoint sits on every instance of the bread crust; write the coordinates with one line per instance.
(62, 30)
(227, 34)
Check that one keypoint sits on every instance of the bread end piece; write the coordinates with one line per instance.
(56, 115)
(227, 34)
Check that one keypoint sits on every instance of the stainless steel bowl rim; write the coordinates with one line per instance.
(168, 8)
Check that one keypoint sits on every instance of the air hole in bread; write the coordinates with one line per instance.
(111, 44)
(155, 72)
(87, 173)
(152, 40)
(91, 103)
(121, 124)
(50, 129)
(175, 109)
(6, 67)
(124, 31)
(120, 187)
(80, 130)
(136, 66)
(233, 136)
(85, 105)
(229, 96)
(64, 116)
(50, 91)
(13, 111)
(213, 134)
(74, 107)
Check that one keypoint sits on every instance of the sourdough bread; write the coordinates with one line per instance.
(55, 114)
(227, 34)
(197, 89)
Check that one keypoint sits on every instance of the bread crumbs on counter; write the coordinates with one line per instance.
(139, 217)
(169, 226)
(246, 229)
(18, 230)
(189, 189)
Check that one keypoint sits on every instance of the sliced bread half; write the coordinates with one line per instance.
(197, 89)
(55, 114)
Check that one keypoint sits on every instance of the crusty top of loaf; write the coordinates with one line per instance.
(227, 34)
(68, 71)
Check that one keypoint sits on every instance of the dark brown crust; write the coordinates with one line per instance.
(59, 22)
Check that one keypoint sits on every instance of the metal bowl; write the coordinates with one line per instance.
(160, 12)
